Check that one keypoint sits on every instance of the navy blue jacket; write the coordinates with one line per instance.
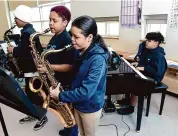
(65, 57)
(89, 86)
(23, 50)
(141, 48)
(154, 63)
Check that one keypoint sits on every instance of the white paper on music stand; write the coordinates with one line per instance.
(4, 46)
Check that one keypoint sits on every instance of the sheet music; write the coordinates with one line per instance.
(137, 71)
(132, 56)
(4, 46)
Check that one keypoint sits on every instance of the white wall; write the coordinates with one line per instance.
(128, 41)
(152, 7)
(95, 8)
(171, 46)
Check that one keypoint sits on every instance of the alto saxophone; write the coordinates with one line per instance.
(12, 62)
(36, 83)
(63, 111)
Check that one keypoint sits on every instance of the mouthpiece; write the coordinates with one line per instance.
(47, 30)
(68, 46)
(13, 26)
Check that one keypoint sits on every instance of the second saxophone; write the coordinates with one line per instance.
(62, 110)
(12, 63)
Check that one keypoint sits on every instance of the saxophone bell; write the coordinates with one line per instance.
(35, 84)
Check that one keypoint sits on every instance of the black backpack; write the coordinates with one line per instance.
(115, 60)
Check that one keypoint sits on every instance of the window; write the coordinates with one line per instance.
(113, 28)
(40, 18)
(108, 26)
(156, 23)
(101, 28)
(157, 28)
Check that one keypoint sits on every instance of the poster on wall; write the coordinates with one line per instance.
(131, 12)
(173, 17)
(139, 12)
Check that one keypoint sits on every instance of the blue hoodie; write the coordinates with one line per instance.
(89, 86)
(154, 63)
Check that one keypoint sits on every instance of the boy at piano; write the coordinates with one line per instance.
(152, 64)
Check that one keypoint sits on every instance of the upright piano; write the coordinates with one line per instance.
(125, 80)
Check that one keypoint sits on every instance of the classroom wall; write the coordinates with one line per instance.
(128, 40)
(171, 47)
(152, 7)
(95, 8)
(3, 22)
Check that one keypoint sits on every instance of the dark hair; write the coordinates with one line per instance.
(88, 26)
(156, 36)
(63, 12)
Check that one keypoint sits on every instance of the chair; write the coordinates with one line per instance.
(160, 88)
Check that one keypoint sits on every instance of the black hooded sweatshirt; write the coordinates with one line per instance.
(154, 63)
(23, 50)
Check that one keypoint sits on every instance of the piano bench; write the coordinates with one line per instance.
(161, 88)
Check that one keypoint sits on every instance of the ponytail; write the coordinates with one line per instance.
(100, 41)
(88, 26)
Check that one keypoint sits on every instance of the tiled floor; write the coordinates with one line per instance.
(154, 125)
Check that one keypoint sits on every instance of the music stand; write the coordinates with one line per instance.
(13, 96)
(15, 38)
